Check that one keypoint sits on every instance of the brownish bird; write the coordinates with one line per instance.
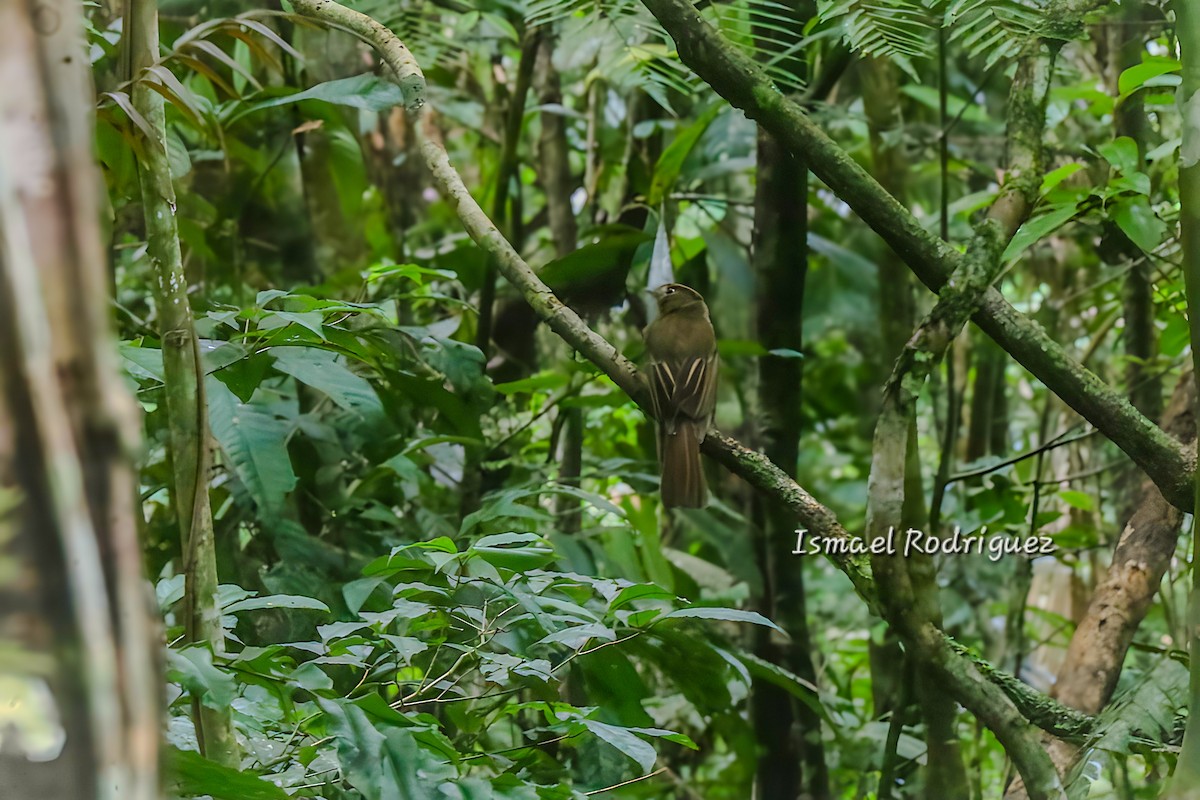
(682, 349)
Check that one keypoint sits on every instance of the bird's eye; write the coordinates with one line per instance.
(670, 290)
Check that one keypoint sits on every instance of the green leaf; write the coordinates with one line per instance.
(1138, 221)
(327, 372)
(625, 741)
(576, 636)
(405, 646)
(356, 593)
(670, 736)
(267, 295)
(381, 765)
(193, 668)
(1057, 176)
(1081, 500)
(642, 591)
(734, 348)
(515, 551)
(255, 442)
(1122, 153)
(310, 320)
(191, 775)
(336, 630)
(725, 614)
(276, 601)
(1142, 75)
(145, 363)
(597, 267)
(804, 691)
(1034, 229)
(244, 374)
(670, 163)
(365, 91)
(177, 155)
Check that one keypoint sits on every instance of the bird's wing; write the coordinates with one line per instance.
(684, 388)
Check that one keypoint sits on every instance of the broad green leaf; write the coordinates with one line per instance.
(542, 381)
(276, 601)
(327, 372)
(310, 320)
(576, 636)
(143, 362)
(366, 91)
(356, 593)
(804, 691)
(670, 736)
(625, 741)
(405, 646)
(598, 267)
(267, 295)
(194, 669)
(1034, 229)
(381, 765)
(243, 374)
(177, 155)
(1137, 220)
(191, 774)
(642, 591)
(725, 614)
(1057, 176)
(1122, 153)
(255, 443)
(515, 551)
(1142, 75)
(336, 630)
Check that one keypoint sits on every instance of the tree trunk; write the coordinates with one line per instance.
(789, 733)
(184, 377)
(75, 614)
(1185, 784)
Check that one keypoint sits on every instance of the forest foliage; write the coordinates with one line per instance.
(444, 569)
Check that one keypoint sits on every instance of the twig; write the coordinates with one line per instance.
(625, 783)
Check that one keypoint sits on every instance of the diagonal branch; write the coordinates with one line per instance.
(736, 78)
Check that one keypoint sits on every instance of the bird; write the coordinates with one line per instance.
(682, 359)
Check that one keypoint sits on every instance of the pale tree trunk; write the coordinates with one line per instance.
(184, 376)
(1102, 638)
(75, 610)
(1185, 785)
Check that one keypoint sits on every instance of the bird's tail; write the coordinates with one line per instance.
(683, 483)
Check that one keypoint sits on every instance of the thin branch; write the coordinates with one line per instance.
(658, 771)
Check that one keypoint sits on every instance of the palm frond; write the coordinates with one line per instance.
(996, 29)
(901, 30)
(631, 46)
